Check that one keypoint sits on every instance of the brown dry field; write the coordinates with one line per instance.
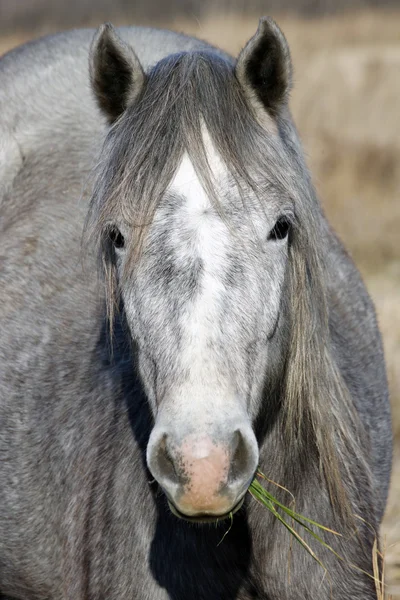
(346, 103)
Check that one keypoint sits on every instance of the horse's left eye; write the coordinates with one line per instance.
(280, 230)
(116, 237)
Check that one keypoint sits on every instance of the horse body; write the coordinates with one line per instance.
(80, 516)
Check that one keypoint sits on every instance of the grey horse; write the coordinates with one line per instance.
(175, 312)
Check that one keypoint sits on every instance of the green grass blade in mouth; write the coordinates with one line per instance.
(264, 497)
(263, 493)
(295, 534)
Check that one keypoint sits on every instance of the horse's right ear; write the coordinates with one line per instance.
(264, 68)
(116, 74)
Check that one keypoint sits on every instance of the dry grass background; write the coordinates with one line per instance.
(346, 103)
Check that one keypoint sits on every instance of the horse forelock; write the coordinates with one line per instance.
(185, 95)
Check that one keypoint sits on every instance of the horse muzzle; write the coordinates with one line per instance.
(204, 478)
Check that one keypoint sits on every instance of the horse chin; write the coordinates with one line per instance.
(205, 518)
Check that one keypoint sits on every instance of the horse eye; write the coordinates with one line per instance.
(281, 229)
(116, 237)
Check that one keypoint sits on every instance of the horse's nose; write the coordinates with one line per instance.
(202, 476)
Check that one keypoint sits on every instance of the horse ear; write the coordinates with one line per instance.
(264, 68)
(116, 74)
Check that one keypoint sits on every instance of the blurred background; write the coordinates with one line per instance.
(346, 103)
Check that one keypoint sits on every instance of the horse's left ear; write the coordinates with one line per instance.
(116, 74)
(264, 68)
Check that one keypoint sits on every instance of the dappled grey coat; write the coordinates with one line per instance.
(80, 515)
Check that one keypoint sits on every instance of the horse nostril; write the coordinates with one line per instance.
(165, 461)
(241, 457)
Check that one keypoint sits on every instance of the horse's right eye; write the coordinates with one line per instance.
(116, 238)
(281, 229)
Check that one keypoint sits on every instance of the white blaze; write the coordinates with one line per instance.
(210, 244)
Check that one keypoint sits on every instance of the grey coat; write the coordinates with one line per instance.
(79, 515)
